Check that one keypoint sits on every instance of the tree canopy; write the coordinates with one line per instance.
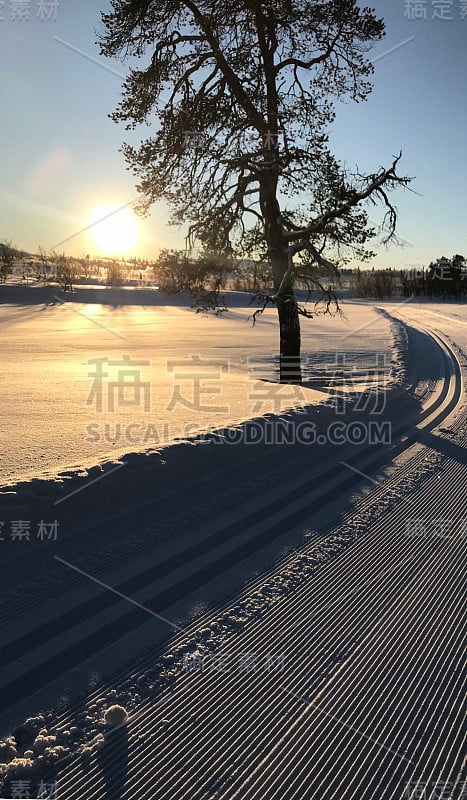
(240, 97)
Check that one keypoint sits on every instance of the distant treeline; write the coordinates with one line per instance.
(444, 278)
(48, 266)
(209, 273)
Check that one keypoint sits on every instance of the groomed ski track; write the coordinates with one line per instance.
(368, 700)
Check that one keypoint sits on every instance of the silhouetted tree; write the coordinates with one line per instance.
(67, 271)
(446, 277)
(242, 93)
(7, 260)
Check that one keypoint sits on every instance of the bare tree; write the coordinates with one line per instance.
(67, 271)
(241, 94)
(7, 260)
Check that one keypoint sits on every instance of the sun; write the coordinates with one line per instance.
(114, 230)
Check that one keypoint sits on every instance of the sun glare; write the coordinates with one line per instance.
(114, 232)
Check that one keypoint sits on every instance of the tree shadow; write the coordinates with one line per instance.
(113, 761)
(445, 447)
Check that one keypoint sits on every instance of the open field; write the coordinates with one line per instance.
(279, 618)
(51, 414)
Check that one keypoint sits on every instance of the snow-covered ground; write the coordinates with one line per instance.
(301, 554)
(63, 404)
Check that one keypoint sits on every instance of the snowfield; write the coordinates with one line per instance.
(196, 372)
(237, 610)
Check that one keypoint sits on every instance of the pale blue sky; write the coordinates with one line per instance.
(60, 156)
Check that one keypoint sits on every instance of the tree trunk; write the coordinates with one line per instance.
(289, 322)
(290, 369)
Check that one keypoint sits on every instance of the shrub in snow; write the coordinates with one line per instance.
(18, 768)
(25, 734)
(115, 716)
(42, 741)
(87, 751)
(99, 741)
(86, 754)
(7, 750)
(52, 754)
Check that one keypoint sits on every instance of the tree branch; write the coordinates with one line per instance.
(319, 225)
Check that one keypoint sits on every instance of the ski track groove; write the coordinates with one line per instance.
(241, 719)
(107, 560)
(174, 747)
